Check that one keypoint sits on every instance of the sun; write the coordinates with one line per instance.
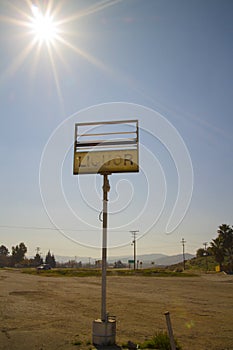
(46, 32)
(43, 26)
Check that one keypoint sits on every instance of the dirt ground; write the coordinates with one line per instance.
(51, 313)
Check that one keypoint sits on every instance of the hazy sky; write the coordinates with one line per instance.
(173, 57)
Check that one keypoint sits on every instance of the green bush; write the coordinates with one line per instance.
(77, 342)
(159, 341)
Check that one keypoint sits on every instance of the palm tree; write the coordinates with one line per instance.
(217, 248)
(226, 235)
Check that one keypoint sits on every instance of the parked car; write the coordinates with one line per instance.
(44, 267)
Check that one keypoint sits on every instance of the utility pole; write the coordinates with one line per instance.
(206, 254)
(134, 235)
(183, 243)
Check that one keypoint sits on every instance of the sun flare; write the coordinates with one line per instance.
(46, 32)
(43, 26)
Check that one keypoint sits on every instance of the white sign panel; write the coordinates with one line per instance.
(106, 161)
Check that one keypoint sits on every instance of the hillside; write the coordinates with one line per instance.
(201, 263)
(146, 259)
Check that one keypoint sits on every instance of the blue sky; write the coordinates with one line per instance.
(174, 57)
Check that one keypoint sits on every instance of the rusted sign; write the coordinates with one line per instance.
(106, 161)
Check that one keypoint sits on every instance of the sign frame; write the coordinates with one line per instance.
(106, 151)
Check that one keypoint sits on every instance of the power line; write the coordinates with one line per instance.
(52, 228)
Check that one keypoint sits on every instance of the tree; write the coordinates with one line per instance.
(209, 251)
(119, 264)
(218, 251)
(50, 259)
(38, 260)
(200, 253)
(3, 250)
(222, 246)
(4, 258)
(226, 235)
(18, 253)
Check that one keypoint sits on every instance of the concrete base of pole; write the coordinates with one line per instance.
(104, 333)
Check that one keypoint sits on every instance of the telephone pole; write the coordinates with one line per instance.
(134, 235)
(183, 243)
(206, 254)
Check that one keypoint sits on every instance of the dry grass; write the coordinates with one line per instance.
(38, 312)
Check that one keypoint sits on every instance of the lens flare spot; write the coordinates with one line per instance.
(190, 324)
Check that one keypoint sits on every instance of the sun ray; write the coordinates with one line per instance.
(55, 75)
(18, 61)
(60, 56)
(26, 17)
(89, 11)
(114, 73)
(84, 54)
(35, 61)
(11, 20)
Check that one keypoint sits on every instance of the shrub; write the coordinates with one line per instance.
(77, 342)
(159, 341)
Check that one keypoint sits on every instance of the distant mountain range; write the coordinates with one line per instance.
(146, 259)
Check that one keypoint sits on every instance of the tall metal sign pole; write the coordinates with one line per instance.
(106, 189)
(105, 148)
